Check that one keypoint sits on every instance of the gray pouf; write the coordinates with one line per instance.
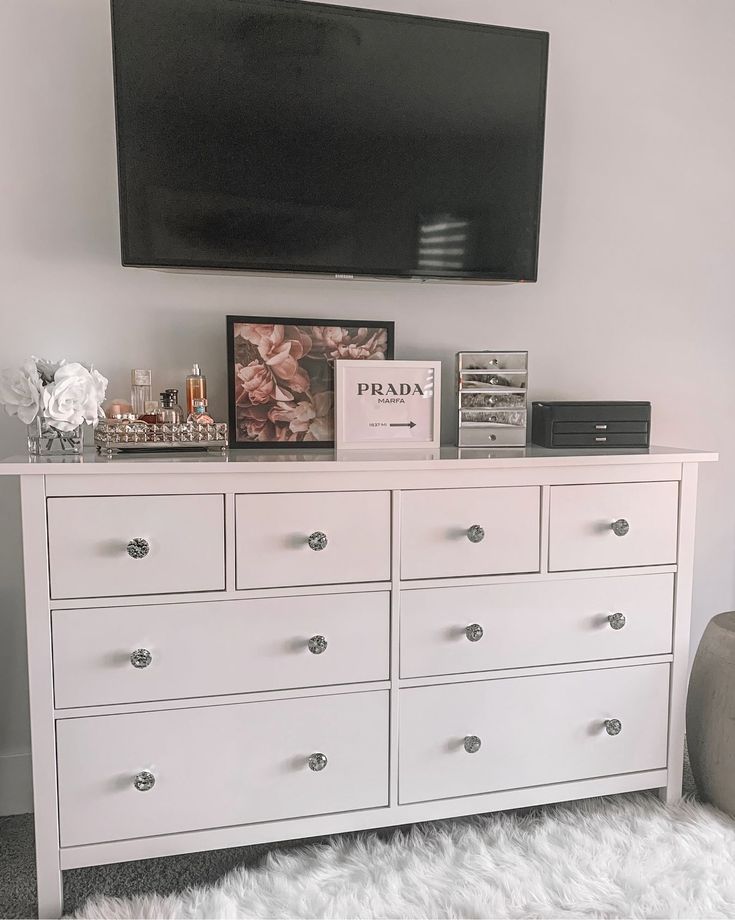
(711, 714)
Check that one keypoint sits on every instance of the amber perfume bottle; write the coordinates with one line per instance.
(196, 388)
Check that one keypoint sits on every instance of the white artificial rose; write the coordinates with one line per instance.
(20, 391)
(73, 397)
(47, 368)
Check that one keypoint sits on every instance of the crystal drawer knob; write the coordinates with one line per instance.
(476, 534)
(138, 548)
(616, 620)
(317, 540)
(620, 527)
(613, 726)
(472, 744)
(144, 781)
(317, 645)
(141, 658)
(317, 762)
(474, 632)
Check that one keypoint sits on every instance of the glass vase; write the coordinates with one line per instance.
(46, 441)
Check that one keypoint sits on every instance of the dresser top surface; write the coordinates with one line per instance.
(240, 461)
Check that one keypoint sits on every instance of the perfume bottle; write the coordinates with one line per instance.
(200, 416)
(196, 388)
(150, 414)
(169, 410)
(140, 390)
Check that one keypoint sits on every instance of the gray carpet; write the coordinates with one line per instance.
(166, 875)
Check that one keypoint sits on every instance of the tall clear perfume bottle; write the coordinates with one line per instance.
(140, 390)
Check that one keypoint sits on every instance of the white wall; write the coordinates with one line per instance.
(635, 298)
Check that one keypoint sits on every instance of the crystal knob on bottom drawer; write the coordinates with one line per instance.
(317, 645)
(616, 620)
(472, 744)
(613, 726)
(144, 781)
(317, 540)
(474, 632)
(476, 534)
(141, 658)
(620, 527)
(317, 761)
(138, 548)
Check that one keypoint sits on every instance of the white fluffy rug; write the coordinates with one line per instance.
(628, 856)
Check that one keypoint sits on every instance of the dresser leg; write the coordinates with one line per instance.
(50, 888)
(671, 793)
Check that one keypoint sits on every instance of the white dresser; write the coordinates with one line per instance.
(227, 651)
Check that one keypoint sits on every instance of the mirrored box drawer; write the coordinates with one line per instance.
(526, 624)
(136, 654)
(149, 773)
(455, 532)
(485, 736)
(117, 546)
(613, 525)
(490, 361)
(312, 538)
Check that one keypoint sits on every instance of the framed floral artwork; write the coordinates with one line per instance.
(281, 375)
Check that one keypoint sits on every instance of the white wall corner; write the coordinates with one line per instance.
(16, 793)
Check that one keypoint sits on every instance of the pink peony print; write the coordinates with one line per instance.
(284, 377)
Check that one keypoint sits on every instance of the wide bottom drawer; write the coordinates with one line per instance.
(142, 774)
(484, 736)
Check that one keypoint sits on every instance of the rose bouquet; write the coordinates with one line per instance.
(55, 400)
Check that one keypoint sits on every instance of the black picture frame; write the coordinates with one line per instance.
(264, 382)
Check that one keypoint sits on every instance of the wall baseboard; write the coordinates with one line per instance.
(16, 791)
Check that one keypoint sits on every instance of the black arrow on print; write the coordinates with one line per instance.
(402, 424)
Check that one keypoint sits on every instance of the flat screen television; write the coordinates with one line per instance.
(282, 135)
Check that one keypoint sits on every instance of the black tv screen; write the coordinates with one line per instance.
(280, 135)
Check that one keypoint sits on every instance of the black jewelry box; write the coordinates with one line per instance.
(591, 424)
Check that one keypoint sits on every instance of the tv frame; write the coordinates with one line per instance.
(343, 272)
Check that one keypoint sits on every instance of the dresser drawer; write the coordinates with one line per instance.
(135, 544)
(189, 650)
(312, 538)
(532, 731)
(484, 628)
(612, 526)
(220, 766)
(454, 532)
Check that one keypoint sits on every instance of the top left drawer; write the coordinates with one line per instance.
(118, 546)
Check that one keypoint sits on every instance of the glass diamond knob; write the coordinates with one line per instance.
(472, 744)
(141, 658)
(613, 726)
(144, 781)
(474, 632)
(317, 761)
(317, 540)
(616, 620)
(476, 534)
(317, 645)
(138, 548)
(620, 527)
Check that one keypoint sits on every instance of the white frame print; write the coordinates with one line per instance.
(393, 404)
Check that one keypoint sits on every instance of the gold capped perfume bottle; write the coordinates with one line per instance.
(200, 416)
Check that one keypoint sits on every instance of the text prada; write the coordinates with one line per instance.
(389, 389)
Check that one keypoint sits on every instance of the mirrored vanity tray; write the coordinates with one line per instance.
(113, 437)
